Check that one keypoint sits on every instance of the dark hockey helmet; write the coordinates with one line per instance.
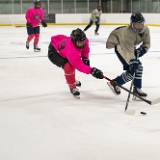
(78, 35)
(137, 18)
(37, 2)
(99, 7)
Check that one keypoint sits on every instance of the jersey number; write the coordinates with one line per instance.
(61, 45)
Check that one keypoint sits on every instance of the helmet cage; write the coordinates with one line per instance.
(137, 18)
(139, 31)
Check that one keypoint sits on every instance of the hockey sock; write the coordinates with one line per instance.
(69, 72)
(36, 40)
(30, 37)
(138, 77)
(124, 78)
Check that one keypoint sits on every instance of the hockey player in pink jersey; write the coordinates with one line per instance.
(72, 53)
(34, 16)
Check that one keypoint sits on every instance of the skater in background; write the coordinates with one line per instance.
(124, 40)
(70, 54)
(95, 18)
(34, 16)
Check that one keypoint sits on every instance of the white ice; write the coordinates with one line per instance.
(40, 120)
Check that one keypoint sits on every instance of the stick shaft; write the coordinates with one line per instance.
(129, 94)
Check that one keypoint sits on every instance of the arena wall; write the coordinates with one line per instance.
(80, 19)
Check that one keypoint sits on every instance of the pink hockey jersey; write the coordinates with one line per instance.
(34, 16)
(67, 49)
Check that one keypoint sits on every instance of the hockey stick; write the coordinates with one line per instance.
(143, 99)
(130, 112)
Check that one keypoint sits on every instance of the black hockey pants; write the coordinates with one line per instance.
(55, 57)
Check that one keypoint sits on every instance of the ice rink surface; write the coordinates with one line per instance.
(40, 120)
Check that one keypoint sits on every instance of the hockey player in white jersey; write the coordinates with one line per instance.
(124, 40)
(95, 18)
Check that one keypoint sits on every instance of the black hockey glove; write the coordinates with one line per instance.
(28, 24)
(97, 73)
(86, 61)
(98, 19)
(44, 24)
(141, 51)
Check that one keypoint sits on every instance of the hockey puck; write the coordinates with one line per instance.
(144, 113)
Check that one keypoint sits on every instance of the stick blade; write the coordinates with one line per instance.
(129, 112)
(155, 101)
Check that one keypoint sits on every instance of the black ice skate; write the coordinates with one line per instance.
(138, 92)
(37, 49)
(75, 92)
(112, 85)
(27, 45)
(78, 83)
(96, 33)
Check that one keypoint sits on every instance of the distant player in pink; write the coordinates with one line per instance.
(34, 16)
(71, 53)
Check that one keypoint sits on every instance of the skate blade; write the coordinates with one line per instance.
(78, 86)
(77, 97)
(134, 98)
(37, 50)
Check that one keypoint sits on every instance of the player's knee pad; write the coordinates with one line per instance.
(37, 35)
(30, 37)
(134, 65)
(69, 69)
